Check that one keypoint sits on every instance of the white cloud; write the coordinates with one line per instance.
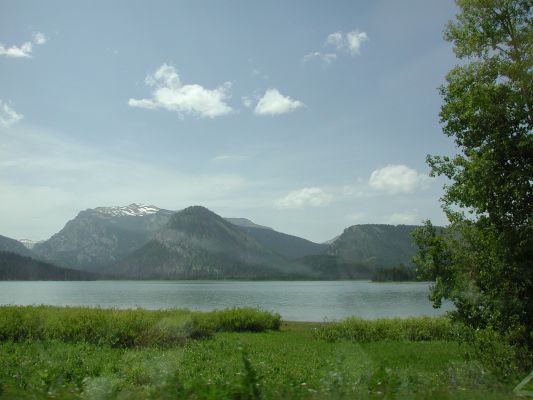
(335, 39)
(8, 116)
(25, 49)
(306, 197)
(274, 103)
(170, 94)
(326, 58)
(39, 38)
(394, 179)
(349, 42)
(403, 218)
(142, 103)
(354, 40)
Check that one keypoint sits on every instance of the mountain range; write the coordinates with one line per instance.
(147, 242)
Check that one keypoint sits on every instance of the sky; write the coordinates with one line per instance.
(305, 116)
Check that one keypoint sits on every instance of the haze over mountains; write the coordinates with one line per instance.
(147, 242)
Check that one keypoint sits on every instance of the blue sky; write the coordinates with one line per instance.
(305, 116)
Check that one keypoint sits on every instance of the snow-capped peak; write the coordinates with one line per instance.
(134, 209)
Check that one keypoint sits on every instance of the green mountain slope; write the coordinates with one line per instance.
(14, 267)
(198, 244)
(376, 245)
(289, 246)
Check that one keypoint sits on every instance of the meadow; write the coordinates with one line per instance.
(84, 353)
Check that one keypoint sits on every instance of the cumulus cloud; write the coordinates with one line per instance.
(348, 42)
(22, 51)
(25, 49)
(8, 116)
(192, 99)
(403, 218)
(274, 103)
(306, 197)
(326, 58)
(395, 179)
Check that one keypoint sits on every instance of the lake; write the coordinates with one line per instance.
(295, 301)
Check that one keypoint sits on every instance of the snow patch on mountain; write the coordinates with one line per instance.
(134, 209)
(29, 243)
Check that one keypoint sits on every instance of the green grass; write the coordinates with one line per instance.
(238, 362)
(127, 328)
(413, 329)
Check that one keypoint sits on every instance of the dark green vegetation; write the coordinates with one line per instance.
(396, 274)
(67, 354)
(326, 266)
(483, 262)
(16, 267)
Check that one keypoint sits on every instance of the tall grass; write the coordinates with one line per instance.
(127, 328)
(410, 329)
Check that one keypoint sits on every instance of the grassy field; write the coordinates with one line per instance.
(72, 353)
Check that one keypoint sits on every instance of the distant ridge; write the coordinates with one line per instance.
(245, 223)
(380, 245)
(289, 246)
(14, 246)
(147, 242)
(14, 267)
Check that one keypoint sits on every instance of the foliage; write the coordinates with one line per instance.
(483, 262)
(290, 364)
(127, 328)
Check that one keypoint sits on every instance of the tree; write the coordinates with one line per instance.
(483, 261)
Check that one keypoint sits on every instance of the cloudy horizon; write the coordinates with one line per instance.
(304, 117)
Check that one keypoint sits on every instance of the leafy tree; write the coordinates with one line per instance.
(483, 262)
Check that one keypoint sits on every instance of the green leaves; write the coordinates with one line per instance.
(482, 261)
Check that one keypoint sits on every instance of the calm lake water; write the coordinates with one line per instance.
(295, 301)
